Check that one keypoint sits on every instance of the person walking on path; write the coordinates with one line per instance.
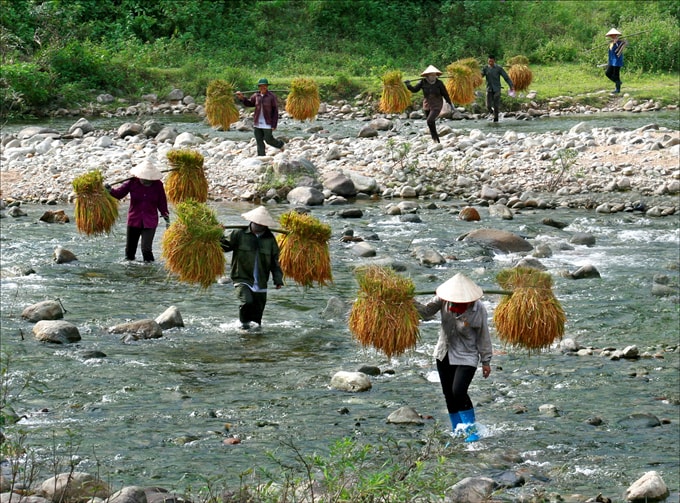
(463, 343)
(255, 257)
(147, 200)
(615, 58)
(434, 95)
(266, 116)
(493, 73)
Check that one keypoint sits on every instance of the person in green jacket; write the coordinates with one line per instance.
(255, 257)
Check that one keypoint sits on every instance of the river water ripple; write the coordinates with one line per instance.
(154, 412)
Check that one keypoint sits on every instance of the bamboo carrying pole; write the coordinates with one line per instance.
(528, 316)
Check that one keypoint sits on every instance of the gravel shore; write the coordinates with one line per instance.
(608, 169)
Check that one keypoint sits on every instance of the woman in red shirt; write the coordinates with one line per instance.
(147, 200)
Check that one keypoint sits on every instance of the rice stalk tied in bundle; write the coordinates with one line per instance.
(384, 315)
(303, 100)
(532, 317)
(220, 108)
(460, 84)
(304, 254)
(395, 96)
(475, 68)
(95, 209)
(186, 179)
(191, 245)
(520, 73)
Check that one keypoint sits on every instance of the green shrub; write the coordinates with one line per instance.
(561, 49)
(23, 86)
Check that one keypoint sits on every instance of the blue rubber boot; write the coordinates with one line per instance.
(455, 420)
(468, 417)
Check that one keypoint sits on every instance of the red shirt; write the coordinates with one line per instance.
(146, 201)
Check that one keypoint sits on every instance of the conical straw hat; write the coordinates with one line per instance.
(431, 69)
(260, 216)
(146, 171)
(459, 289)
(612, 32)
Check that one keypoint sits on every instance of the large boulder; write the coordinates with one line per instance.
(56, 331)
(141, 329)
(350, 381)
(74, 486)
(500, 240)
(45, 310)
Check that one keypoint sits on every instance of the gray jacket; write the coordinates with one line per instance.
(465, 337)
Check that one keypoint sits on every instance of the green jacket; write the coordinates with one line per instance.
(245, 247)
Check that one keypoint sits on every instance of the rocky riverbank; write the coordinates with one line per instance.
(607, 169)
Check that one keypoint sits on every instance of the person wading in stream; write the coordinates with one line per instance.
(434, 95)
(463, 342)
(255, 257)
(147, 199)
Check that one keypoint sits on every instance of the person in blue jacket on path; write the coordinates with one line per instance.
(615, 58)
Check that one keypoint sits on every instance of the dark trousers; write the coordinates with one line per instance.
(455, 380)
(252, 304)
(493, 103)
(133, 235)
(265, 135)
(613, 73)
(431, 118)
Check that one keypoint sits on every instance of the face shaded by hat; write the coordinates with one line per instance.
(431, 70)
(459, 289)
(260, 216)
(147, 170)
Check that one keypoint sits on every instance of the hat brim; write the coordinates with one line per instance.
(146, 171)
(459, 289)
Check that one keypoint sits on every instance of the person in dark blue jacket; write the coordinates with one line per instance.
(615, 59)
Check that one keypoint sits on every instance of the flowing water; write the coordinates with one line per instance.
(155, 411)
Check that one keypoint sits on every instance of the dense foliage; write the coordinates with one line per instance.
(63, 52)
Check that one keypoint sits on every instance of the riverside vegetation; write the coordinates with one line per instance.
(59, 54)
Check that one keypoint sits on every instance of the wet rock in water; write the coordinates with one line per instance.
(45, 310)
(336, 308)
(412, 218)
(350, 381)
(351, 213)
(74, 486)
(370, 370)
(55, 217)
(497, 239)
(89, 354)
(585, 272)
(554, 223)
(639, 420)
(583, 238)
(648, 488)
(363, 249)
(63, 256)
(428, 257)
(136, 330)
(16, 211)
(470, 490)
(170, 318)
(56, 331)
(405, 415)
(469, 214)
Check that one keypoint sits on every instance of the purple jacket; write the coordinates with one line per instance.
(264, 103)
(145, 202)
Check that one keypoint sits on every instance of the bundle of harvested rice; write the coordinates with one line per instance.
(531, 318)
(95, 209)
(220, 108)
(303, 249)
(459, 85)
(475, 68)
(384, 315)
(186, 179)
(395, 97)
(520, 73)
(303, 100)
(191, 245)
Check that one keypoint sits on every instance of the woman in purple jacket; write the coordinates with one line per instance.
(266, 116)
(147, 200)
